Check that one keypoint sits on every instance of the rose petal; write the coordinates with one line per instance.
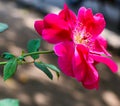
(39, 26)
(64, 51)
(54, 21)
(110, 63)
(93, 24)
(91, 80)
(100, 46)
(55, 29)
(81, 14)
(99, 24)
(69, 16)
(83, 70)
(79, 65)
(55, 36)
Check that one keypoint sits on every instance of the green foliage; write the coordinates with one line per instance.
(10, 68)
(43, 68)
(54, 68)
(33, 46)
(12, 62)
(7, 55)
(9, 102)
(3, 27)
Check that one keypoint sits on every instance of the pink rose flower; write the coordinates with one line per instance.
(77, 43)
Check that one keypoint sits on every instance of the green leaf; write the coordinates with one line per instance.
(33, 46)
(43, 68)
(54, 68)
(9, 102)
(7, 55)
(10, 68)
(3, 27)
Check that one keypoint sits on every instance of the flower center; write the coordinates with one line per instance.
(80, 36)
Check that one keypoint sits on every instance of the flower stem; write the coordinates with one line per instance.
(3, 63)
(29, 54)
(39, 52)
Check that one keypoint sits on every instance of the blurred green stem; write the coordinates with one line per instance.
(3, 63)
(29, 54)
(39, 52)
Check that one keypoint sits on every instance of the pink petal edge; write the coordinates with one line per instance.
(110, 63)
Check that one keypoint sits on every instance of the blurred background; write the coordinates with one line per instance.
(30, 85)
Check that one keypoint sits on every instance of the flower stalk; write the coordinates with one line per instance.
(38, 52)
(29, 54)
